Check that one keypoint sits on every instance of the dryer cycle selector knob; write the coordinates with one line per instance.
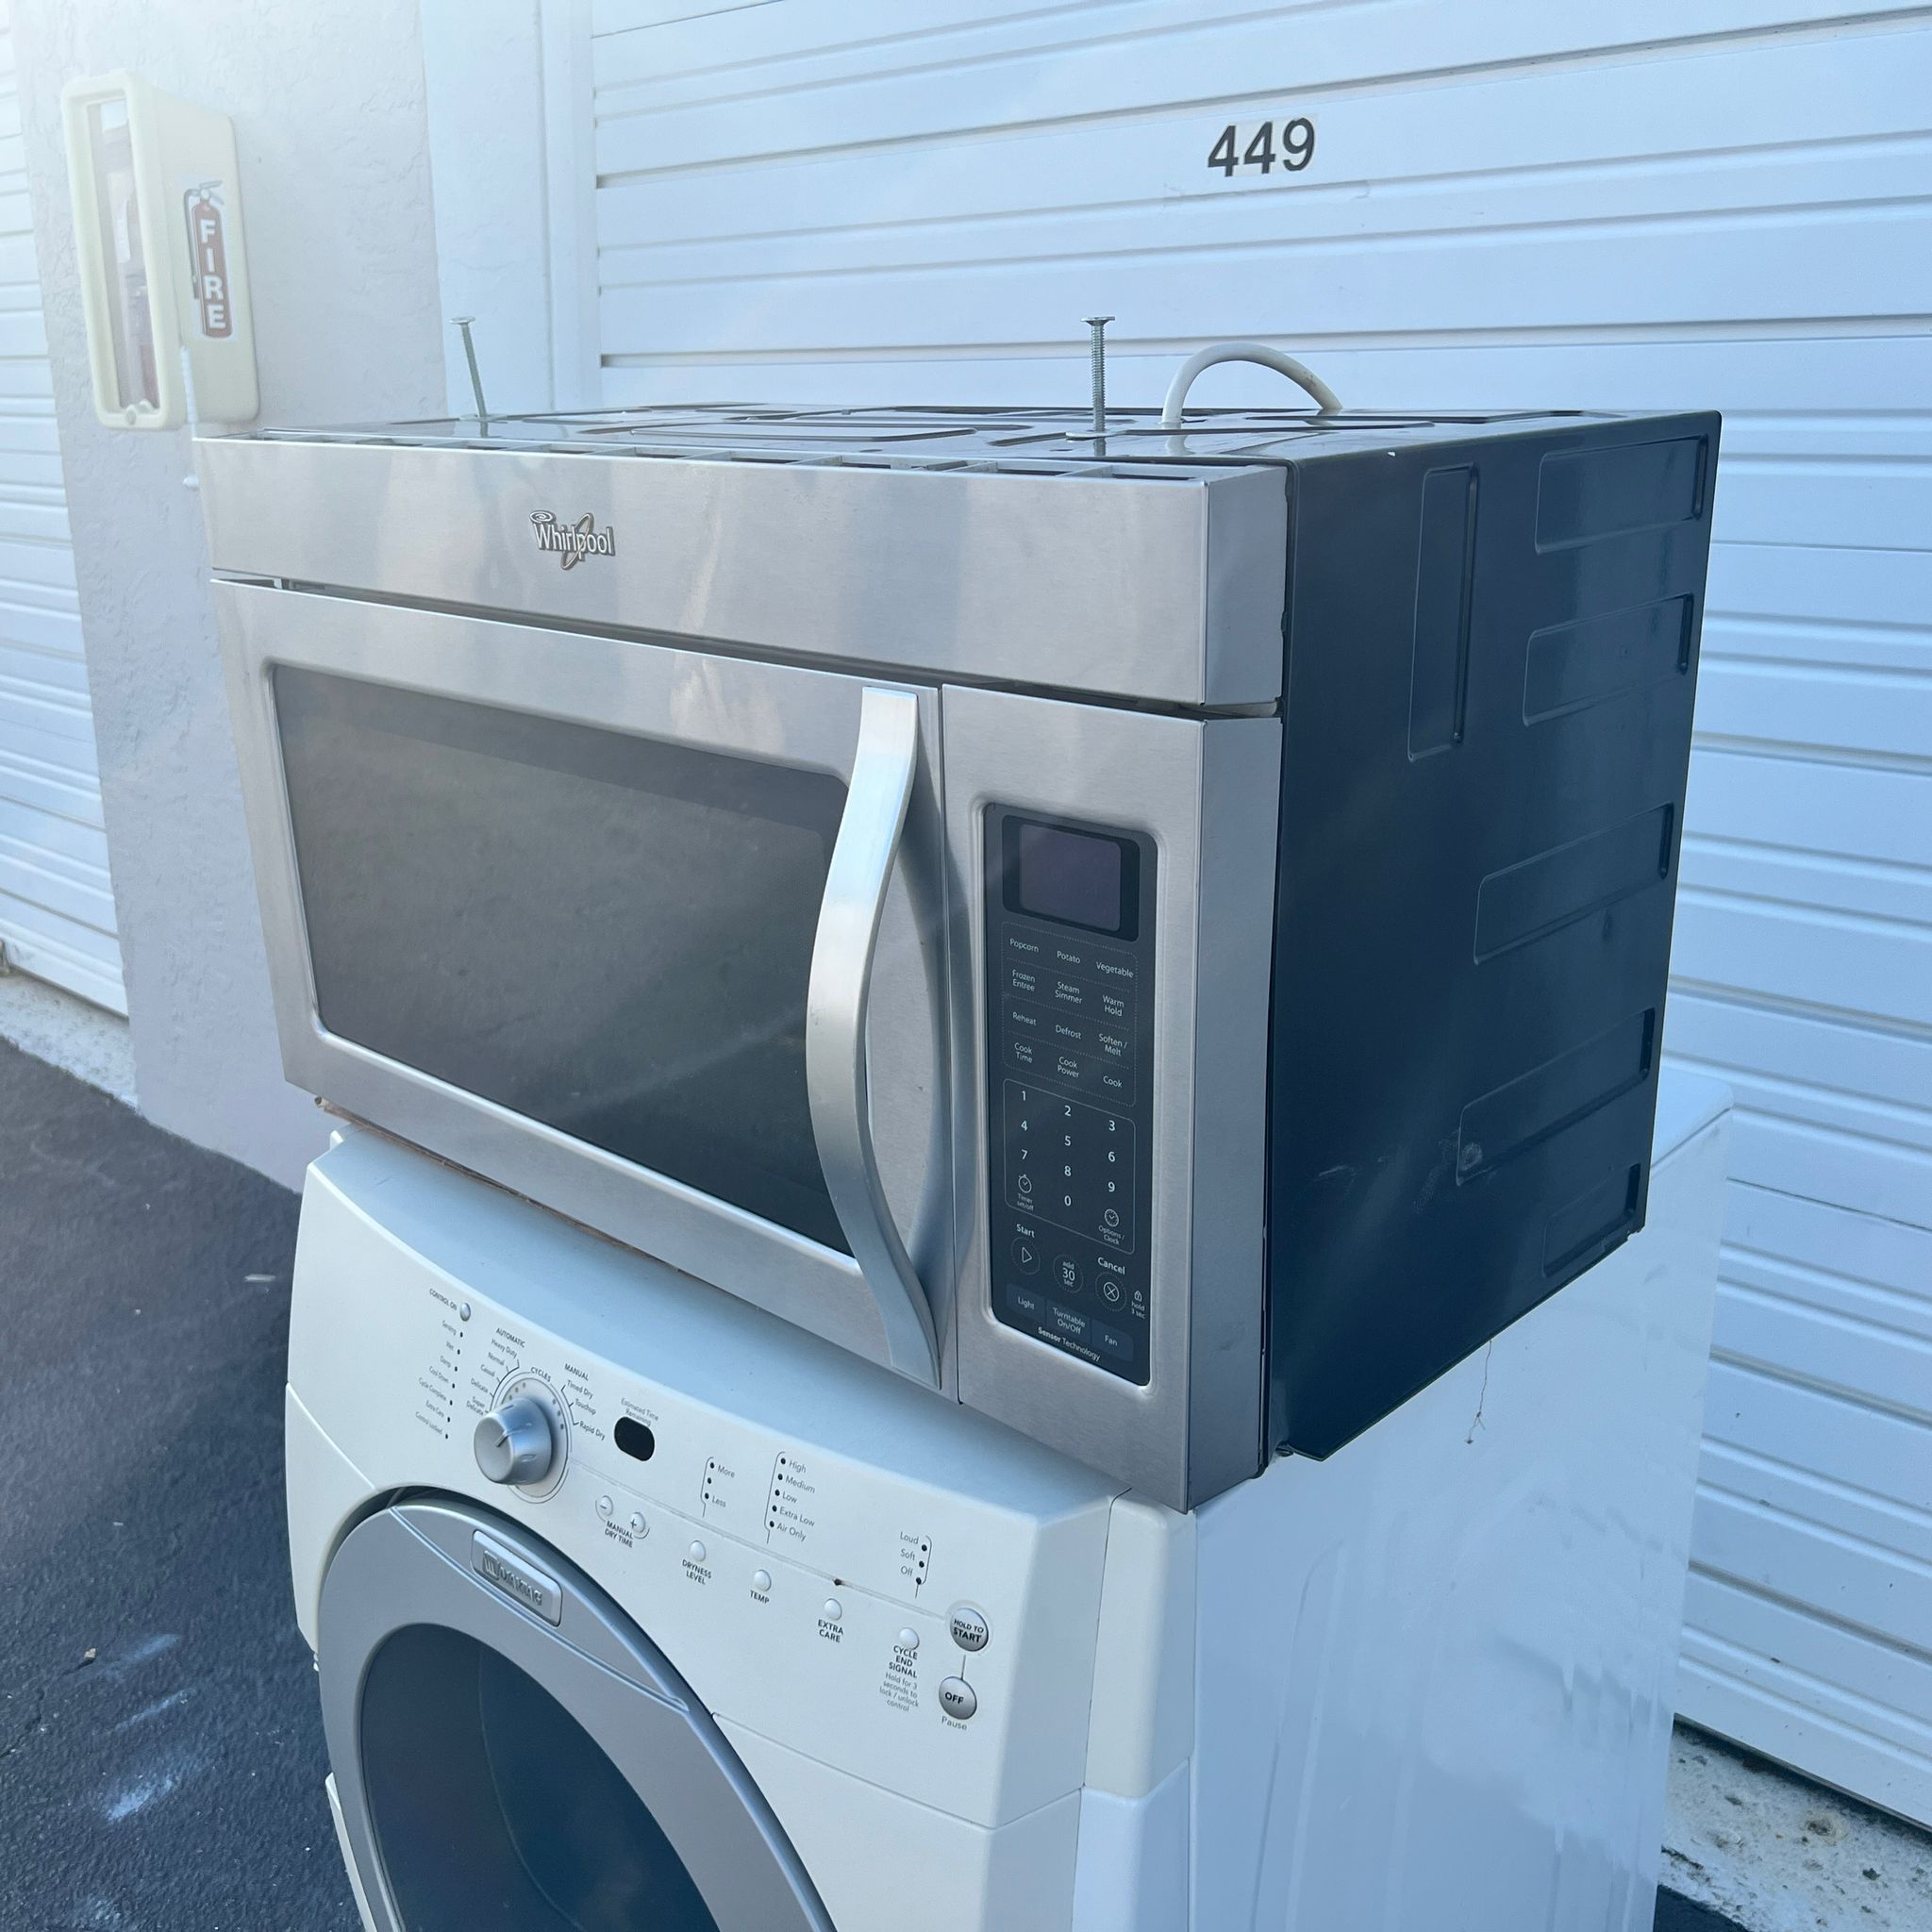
(515, 1443)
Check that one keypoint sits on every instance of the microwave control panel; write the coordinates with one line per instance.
(1070, 1085)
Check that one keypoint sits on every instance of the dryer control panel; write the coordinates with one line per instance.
(1069, 1027)
(830, 1558)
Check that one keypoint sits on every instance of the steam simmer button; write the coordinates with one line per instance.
(957, 1698)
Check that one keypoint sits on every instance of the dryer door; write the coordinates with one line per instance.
(511, 1752)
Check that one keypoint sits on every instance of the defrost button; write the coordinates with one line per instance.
(957, 1698)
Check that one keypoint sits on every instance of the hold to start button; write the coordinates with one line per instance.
(969, 1626)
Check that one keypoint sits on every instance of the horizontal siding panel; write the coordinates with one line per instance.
(63, 954)
(1799, 1691)
(1639, 272)
(843, 88)
(68, 892)
(1838, 1440)
(1781, 952)
(1860, 1583)
(73, 846)
(1827, 707)
(1528, 149)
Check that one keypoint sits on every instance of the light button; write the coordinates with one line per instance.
(832, 1609)
(696, 1553)
(957, 1698)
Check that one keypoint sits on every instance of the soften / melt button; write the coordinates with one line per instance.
(957, 1698)
(970, 1627)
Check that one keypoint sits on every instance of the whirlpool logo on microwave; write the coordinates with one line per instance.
(572, 542)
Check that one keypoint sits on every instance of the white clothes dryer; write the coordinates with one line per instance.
(635, 1608)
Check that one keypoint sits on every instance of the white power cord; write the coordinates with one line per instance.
(1171, 411)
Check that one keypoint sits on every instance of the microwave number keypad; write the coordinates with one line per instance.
(1069, 1095)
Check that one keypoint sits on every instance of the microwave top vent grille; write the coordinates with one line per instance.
(1024, 441)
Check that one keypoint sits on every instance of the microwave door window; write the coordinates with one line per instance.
(609, 934)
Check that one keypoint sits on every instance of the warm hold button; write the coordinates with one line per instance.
(957, 1698)
(970, 1629)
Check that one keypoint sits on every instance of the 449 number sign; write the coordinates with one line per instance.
(1296, 151)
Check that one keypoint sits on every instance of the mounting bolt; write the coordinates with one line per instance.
(1097, 327)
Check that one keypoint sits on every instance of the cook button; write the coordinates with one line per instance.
(957, 1698)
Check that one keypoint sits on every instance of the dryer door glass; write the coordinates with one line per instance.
(511, 1751)
(492, 1806)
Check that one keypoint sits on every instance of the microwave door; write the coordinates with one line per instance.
(654, 937)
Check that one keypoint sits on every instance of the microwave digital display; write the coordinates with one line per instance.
(1080, 878)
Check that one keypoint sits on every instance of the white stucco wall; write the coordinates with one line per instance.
(327, 102)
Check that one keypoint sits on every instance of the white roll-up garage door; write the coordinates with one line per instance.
(1519, 202)
(57, 909)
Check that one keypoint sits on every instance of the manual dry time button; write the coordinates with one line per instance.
(970, 1628)
(957, 1698)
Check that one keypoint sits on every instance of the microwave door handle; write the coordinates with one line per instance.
(836, 1074)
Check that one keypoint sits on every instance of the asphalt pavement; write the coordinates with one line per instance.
(160, 1749)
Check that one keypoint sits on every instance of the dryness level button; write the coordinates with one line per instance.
(970, 1628)
(696, 1553)
(957, 1698)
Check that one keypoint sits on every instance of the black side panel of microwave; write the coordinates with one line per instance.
(1491, 664)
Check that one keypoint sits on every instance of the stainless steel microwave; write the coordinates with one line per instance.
(1162, 938)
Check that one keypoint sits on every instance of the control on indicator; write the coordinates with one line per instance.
(515, 1443)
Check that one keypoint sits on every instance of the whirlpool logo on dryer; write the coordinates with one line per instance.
(572, 542)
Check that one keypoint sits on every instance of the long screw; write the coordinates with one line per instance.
(1097, 325)
(463, 322)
